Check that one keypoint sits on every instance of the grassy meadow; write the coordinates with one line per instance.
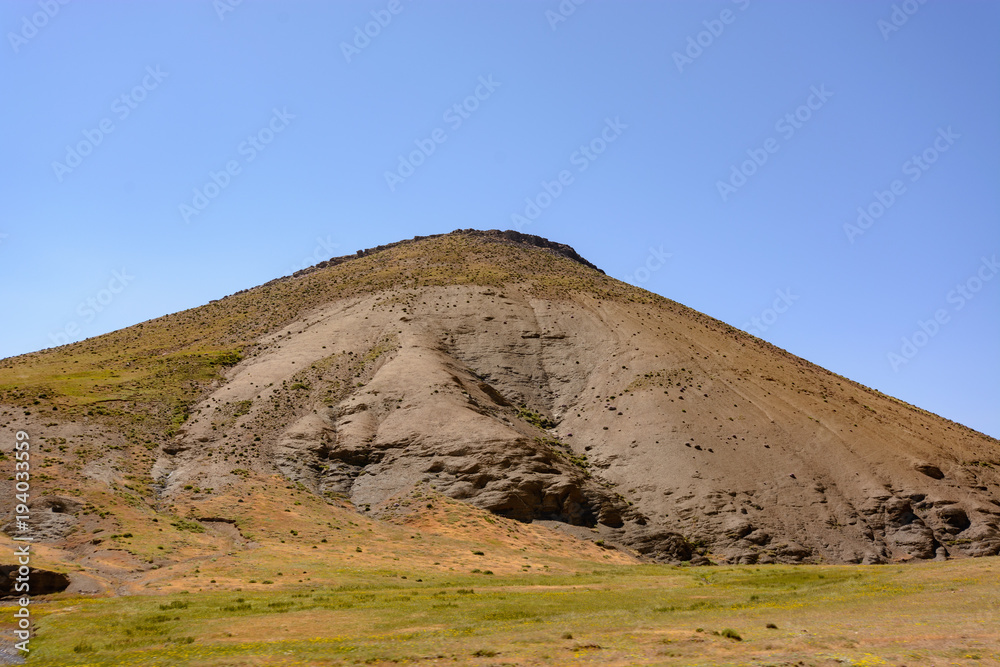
(945, 613)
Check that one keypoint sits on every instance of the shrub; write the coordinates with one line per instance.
(184, 524)
(176, 604)
(535, 418)
(230, 358)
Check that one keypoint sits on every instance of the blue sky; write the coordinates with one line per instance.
(159, 155)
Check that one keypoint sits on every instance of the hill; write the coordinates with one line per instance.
(555, 412)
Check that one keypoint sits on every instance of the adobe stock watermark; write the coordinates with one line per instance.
(381, 18)
(655, 260)
(914, 168)
(455, 116)
(89, 308)
(122, 107)
(22, 516)
(322, 252)
(782, 302)
(249, 149)
(223, 7)
(697, 43)
(38, 20)
(581, 158)
(564, 10)
(958, 297)
(900, 14)
(786, 126)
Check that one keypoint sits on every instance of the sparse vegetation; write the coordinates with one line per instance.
(535, 418)
(191, 526)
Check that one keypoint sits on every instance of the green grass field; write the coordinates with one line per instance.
(918, 614)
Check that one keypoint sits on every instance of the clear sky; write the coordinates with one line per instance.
(157, 155)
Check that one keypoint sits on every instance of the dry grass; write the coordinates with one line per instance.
(928, 614)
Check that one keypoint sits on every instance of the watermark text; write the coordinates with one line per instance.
(581, 158)
(22, 514)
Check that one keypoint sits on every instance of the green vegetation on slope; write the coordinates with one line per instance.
(148, 374)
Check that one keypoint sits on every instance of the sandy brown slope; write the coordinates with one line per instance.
(531, 385)
(741, 448)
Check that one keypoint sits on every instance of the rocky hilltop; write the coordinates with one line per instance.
(495, 235)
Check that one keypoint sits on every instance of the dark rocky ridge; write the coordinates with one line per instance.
(509, 236)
